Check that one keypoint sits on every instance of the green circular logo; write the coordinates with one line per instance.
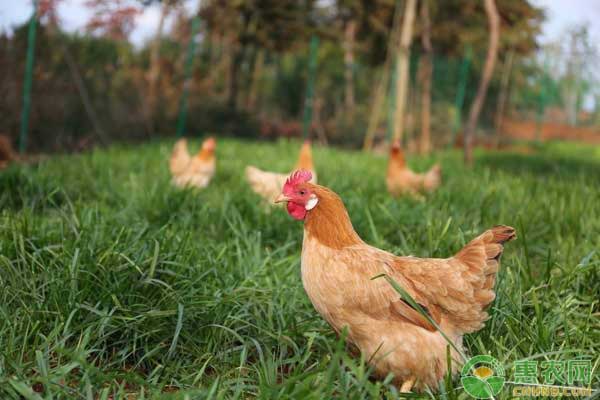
(482, 377)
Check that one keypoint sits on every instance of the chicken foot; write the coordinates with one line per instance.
(407, 385)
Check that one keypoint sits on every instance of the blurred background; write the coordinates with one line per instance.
(117, 284)
(79, 73)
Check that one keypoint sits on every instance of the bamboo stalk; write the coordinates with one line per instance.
(402, 68)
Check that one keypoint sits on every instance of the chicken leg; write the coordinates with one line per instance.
(407, 385)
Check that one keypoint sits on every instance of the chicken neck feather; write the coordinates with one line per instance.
(329, 222)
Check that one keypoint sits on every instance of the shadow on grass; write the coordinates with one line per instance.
(540, 164)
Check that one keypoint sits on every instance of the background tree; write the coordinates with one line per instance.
(378, 95)
(402, 66)
(48, 14)
(112, 18)
(488, 69)
(136, 90)
(248, 25)
(166, 7)
(458, 25)
(579, 56)
(425, 75)
(503, 92)
(349, 11)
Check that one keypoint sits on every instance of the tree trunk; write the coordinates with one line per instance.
(503, 95)
(488, 69)
(380, 91)
(409, 134)
(234, 71)
(227, 46)
(375, 109)
(402, 67)
(154, 70)
(426, 70)
(572, 74)
(219, 73)
(212, 48)
(349, 35)
(317, 123)
(255, 80)
(239, 55)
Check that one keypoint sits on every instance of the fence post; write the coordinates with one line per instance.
(461, 92)
(310, 86)
(28, 79)
(188, 77)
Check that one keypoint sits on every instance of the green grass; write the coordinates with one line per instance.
(114, 283)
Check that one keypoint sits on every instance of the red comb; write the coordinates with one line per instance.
(300, 176)
(209, 143)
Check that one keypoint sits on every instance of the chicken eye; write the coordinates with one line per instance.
(302, 192)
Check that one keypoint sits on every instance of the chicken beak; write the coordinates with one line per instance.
(281, 198)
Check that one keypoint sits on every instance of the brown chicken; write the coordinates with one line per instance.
(194, 171)
(7, 153)
(337, 271)
(401, 180)
(268, 184)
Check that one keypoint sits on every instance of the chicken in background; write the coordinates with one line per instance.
(401, 180)
(268, 184)
(338, 268)
(196, 171)
(7, 153)
(180, 157)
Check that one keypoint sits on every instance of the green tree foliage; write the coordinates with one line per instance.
(459, 23)
(250, 69)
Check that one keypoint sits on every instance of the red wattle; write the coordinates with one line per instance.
(297, 211)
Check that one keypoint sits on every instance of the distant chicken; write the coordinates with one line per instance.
(196, 171)
(338, 268)
(7, 153)
(401, 180)
(268, 184)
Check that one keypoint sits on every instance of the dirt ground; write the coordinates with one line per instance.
(527, 130)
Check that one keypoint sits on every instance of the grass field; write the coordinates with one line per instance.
(114, 283)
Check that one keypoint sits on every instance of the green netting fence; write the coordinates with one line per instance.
(271, 93)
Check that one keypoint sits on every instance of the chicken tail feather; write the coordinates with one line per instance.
(483, 252)
(253, 174)
(433, 178)
(180, 157)
(482, 258)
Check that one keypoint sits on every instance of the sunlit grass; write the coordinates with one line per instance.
(113, 282)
